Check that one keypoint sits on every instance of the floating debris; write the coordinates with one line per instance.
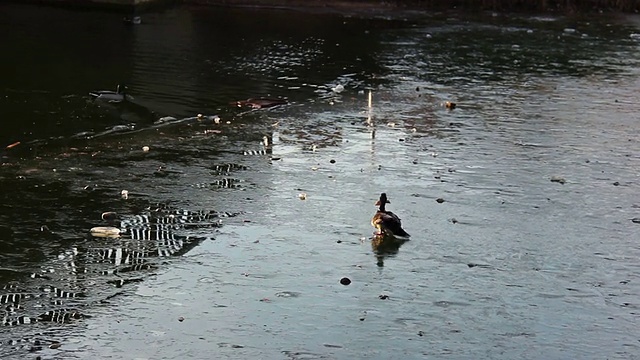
(165, 119)
(145, 148)
(439, 200)
(558, 179)
(105, 231)
(338, 88)
(345, 281)
(181, 319)
(302, 196)
(259, 103)
(449, 105)
(332, 161)
(636, 220)
(383, 296)
(13, 145)
(124, 194)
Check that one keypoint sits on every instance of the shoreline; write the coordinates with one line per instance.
(531, 6)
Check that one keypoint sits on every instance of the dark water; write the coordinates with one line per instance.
(222, 259)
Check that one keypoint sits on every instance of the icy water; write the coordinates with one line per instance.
(523, 202)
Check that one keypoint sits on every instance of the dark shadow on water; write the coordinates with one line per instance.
(385, 246)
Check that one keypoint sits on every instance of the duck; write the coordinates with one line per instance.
(387, 222)
(450, 105)
(112, 96)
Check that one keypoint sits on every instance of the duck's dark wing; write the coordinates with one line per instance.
(391, 222)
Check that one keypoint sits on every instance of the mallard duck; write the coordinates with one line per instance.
(385, 221)
(108, 95)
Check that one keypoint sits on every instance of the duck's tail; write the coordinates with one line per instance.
(400, 232)
(396, 231)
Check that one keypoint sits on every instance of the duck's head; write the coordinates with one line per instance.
(383, 200)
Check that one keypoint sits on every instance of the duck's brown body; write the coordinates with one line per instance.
(387, 222)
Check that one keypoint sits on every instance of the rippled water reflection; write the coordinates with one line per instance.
(508, 264)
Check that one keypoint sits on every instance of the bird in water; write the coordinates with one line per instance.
(386, 222)
(111, 96)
